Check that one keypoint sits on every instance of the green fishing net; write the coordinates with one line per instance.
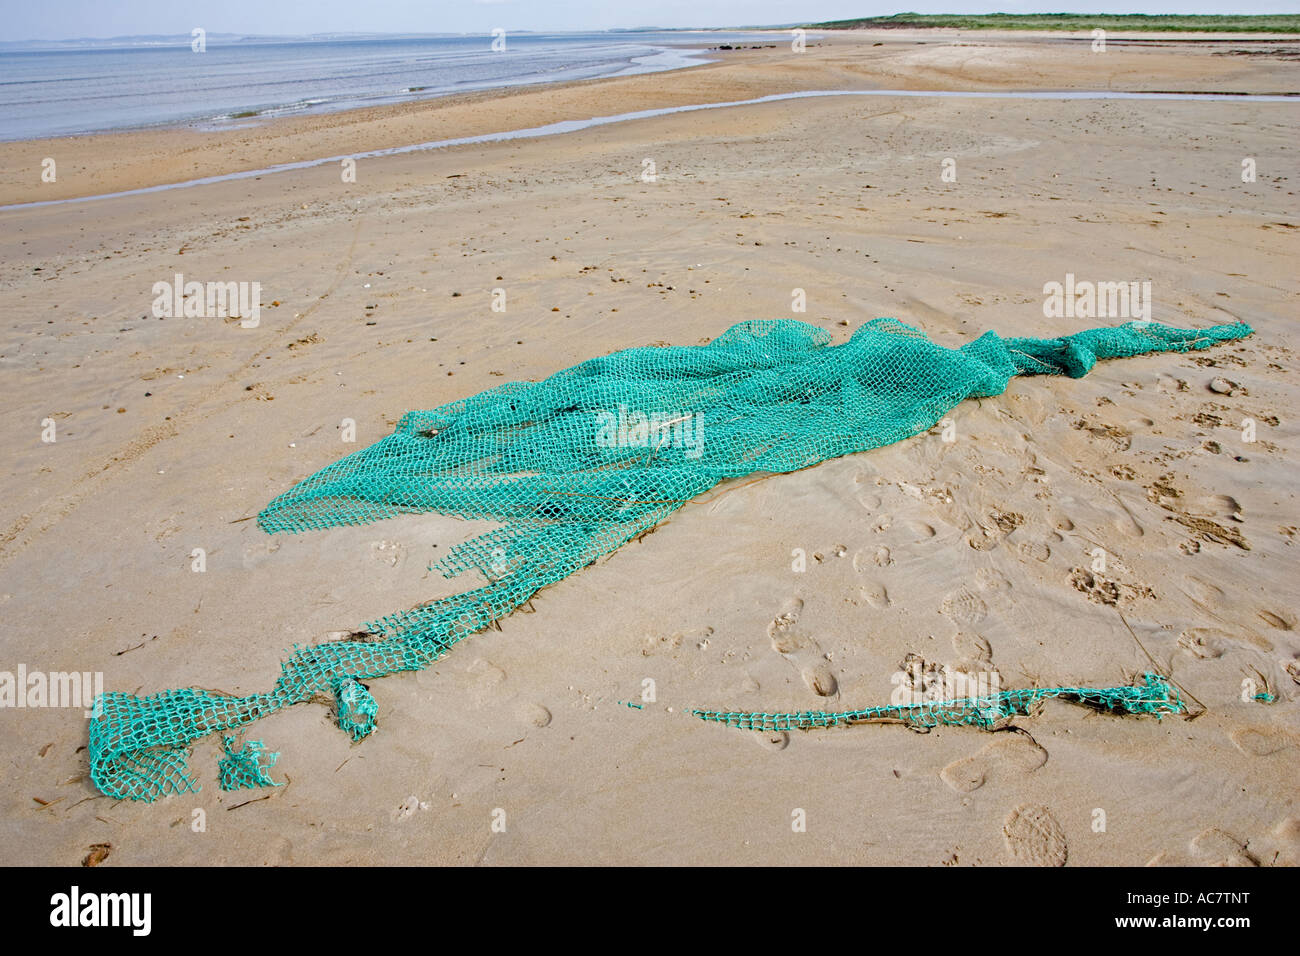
(574, 466)
(1153, 696)
(246, 767)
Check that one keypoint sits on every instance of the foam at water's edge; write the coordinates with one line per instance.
(570, 126)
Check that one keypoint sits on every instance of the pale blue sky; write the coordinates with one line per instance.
(64, 19)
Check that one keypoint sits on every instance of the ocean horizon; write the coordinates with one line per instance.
(79, 87)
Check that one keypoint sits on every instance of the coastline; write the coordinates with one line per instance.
(945, 60)
(573, 126)
(399, 71)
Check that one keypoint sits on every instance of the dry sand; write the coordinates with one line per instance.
(967, 553)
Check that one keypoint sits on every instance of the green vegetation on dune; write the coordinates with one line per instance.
(1163, 23)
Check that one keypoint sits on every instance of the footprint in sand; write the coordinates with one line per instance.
(1170, 383)
(874, 593)
(486, 673)
(863, 478)
(1035, 550)
(1261, 741)
(972, 647)
(486, 677)
(781, 631)
(992, 581)
(534, 714)
(1286, 839)
(773, 740)
(801, 650)
(994, 529)
(996, 589)
(255, 554)
(919, 530)
(820, 679)
(869, 501)
(1206, 596)
(965, 607)
(1033, 837)
(1126, 524)
(1210, 599)
(1216, 506)
(869, 558)
(1207, 643)
(1009, 756)
(1213, 847)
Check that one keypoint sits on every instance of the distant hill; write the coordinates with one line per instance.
(1165, 23)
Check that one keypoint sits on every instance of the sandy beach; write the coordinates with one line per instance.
(972, 553)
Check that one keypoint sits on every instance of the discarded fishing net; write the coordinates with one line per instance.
(580, 463)
(1153, 696)
(246, 768)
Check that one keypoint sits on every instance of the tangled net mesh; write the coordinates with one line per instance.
(575, 466)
